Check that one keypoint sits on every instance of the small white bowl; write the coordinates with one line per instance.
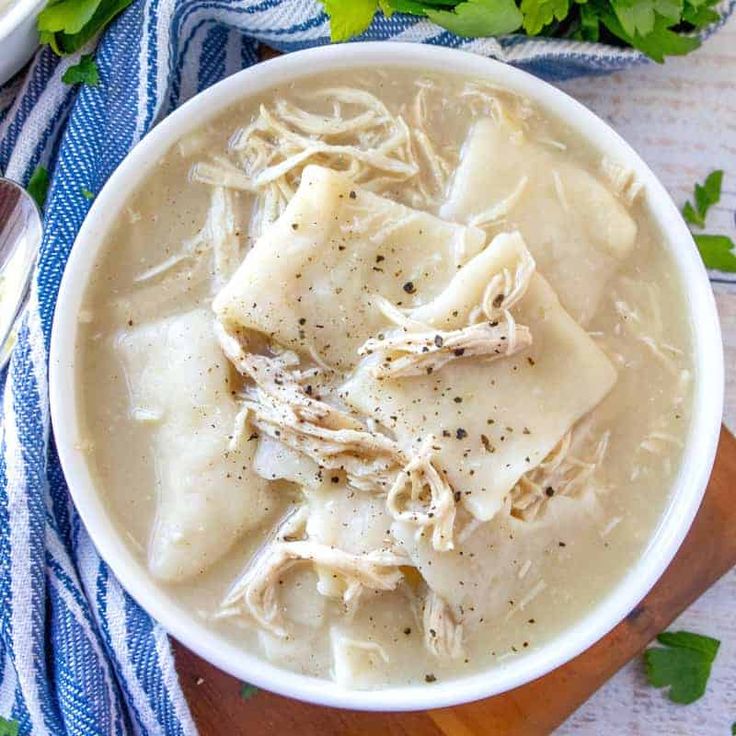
(18, 35)
(687, 490)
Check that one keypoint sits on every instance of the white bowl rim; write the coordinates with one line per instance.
(688, 487)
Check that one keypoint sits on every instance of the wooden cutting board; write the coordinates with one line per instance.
(708, 552)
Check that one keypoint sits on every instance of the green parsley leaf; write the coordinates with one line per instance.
(683, 664)
(539, 13)
(718, 251)
(635, 17)
(701, 3)
(701, 16)
(589, 23)
(475, 18)
(66, 25)
(69, 16)
(85, 72)
(691, 215)
(87, 194)
(700, 13)
(247, 691)
(386, 8)
(687, 640)
(38, 185)
(733, 729)
(661, 41)
(417, 7)
(8, 728)
(412, 7)
(706, 195)
(638, 16)
(349, 18)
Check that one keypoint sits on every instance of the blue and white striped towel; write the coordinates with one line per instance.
(77, 654)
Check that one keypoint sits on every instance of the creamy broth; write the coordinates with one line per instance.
(545, 514)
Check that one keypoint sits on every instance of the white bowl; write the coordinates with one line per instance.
(18, 35)
(687, 489)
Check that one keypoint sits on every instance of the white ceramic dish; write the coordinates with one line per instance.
(687, 490)
(18, 35)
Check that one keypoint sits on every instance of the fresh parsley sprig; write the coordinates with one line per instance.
(8, 727)
(658, 28)
(67, 25)
(38, 185)
(706, 195)
(478, 17)
(718, 251)
(683, 663)
(85, 72)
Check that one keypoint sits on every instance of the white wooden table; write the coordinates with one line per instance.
(681, 117)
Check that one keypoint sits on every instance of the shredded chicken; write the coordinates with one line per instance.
(371, 647)
(443, 635)
(560, 191)
(561, 473)
(355, 662)
(427, 192)
(360, 137)
(612, 524)
(421, 495)
(146, 414)
(366, 459)
(221, 172)
(255, 594)
(499, 210)
(428, 351)
(415, 348)
(634, 321)
(539, 586)
(489, 100)
(279, 406)
(219, 235)
(371, 461)
(507, 288)
(657, 442)
(622, 180)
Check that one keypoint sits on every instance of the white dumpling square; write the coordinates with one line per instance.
(493, 421)
(310, 279)
(578, 232)
(484, 571)
(207, 493)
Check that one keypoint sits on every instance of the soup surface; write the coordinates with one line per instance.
(385, 377)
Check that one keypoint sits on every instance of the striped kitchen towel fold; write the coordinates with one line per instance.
(77, 654)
